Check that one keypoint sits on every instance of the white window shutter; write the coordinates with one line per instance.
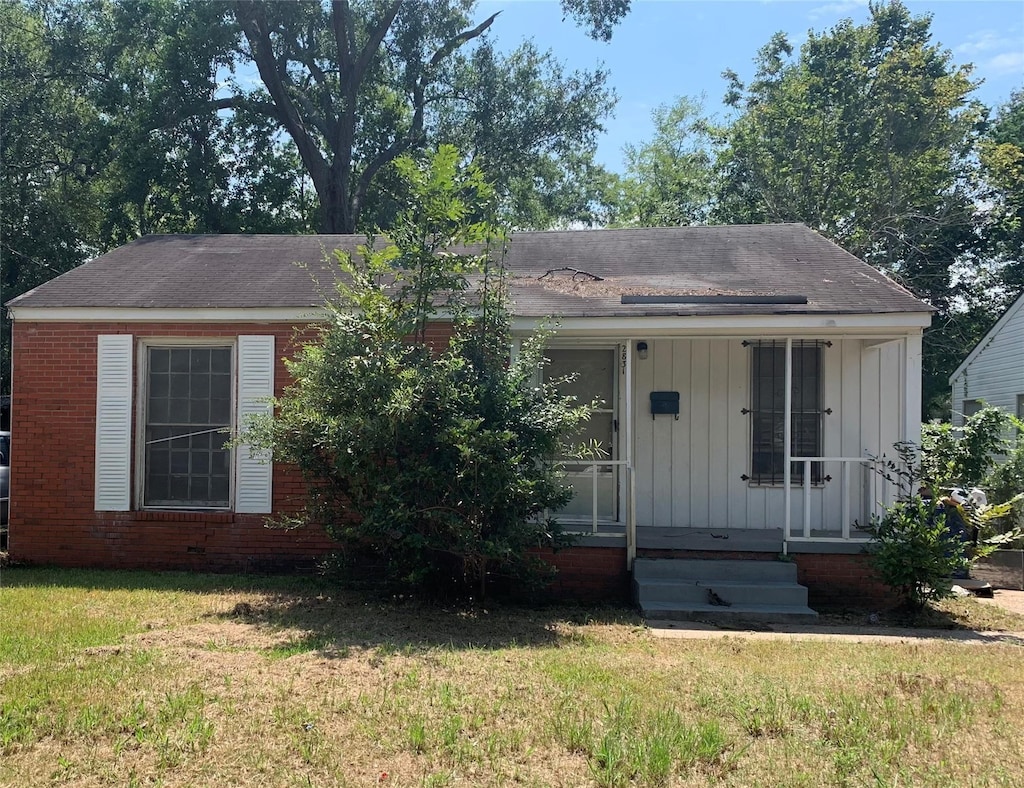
(113, 422)
(254, 473)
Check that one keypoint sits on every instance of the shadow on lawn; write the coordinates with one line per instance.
(334, 620)
(338, 620)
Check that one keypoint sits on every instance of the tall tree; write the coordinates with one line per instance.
(1002, 168)
(669, 180)
(866, 136)
(126, 117)
(342, 88)
(353, 85)
(49, 194)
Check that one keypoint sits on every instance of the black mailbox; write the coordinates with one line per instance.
(665, 402)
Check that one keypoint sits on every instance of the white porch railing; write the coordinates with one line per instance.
(847, 463)
(590, 467)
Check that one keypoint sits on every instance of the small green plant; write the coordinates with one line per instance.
(926, 538)
(917, 547)
(914, 552)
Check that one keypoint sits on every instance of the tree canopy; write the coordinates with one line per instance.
(123, 118)
(669, 180)
(868, 134)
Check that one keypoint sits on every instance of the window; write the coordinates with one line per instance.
(768, 411)
(971, 406)
(1020, 407)
(188, 410)
(188, 392)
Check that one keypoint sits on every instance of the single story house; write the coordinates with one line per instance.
(993, 371)
(749, 375)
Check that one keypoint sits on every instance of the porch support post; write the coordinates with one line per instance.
(787, 448)
(628, 421)
(912, 389)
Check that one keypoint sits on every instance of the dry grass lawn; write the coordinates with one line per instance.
(184, 680)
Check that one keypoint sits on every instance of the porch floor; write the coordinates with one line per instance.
(755, 540)
(747, 540)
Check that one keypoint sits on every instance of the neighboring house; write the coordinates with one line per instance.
(993, 371)
(688, 335)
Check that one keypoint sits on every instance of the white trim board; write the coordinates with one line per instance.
(730, 325)
(81, 314)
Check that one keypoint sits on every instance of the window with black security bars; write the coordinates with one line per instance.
(768, 411)
(188, 409)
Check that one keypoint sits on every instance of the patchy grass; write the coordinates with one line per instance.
(176, 679)
(956, 613)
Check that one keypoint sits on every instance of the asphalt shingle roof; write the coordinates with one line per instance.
(254, 271)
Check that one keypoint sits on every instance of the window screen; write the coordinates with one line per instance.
(188, 404)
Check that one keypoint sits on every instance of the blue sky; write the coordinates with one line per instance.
(669, 48)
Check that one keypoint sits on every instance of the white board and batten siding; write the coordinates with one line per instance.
(993, 372)
(115, 417)
(689, 471)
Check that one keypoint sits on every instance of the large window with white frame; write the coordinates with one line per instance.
(167, 407)
(187, 420)
(768, 410)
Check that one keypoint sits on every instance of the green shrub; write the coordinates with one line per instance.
(914, 552)
(429, 462)
(964, 456)
(1006, 483)
(918, 544)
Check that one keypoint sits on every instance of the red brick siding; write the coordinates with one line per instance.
(589, 573)
(53, 471)
(836, 580)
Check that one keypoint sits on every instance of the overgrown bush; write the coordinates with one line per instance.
(432, 462)
(914, 552)
(964, 456)
(915, 549)
(926, 538)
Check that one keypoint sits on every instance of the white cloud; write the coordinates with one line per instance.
(1006, 63)
(831, 10)
(982, 41)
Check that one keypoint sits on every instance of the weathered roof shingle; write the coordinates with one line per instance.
(262, 271)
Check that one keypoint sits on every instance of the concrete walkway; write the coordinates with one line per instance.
(1012, 601)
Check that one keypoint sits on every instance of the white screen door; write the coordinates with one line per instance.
(596, 374)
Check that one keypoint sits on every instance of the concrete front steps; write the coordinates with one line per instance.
(722, 591)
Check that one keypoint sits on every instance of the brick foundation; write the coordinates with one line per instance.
(589, 573)
(835, 580)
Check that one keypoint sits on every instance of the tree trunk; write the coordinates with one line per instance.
(336, 216)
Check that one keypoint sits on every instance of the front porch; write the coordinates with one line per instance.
(768, 445)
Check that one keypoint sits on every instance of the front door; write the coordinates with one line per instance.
(596, 378)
